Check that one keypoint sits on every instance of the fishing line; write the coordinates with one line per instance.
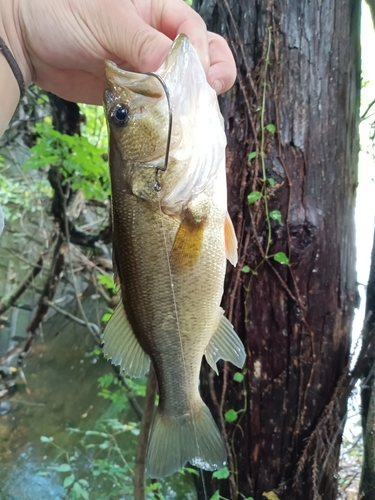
(179, 332)
(157, 188)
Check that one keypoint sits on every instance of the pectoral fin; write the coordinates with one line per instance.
(230, 241)
(225, 344)
(187, 245)
(121, 345)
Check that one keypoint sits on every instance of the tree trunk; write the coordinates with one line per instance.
(295, 105)
(367, 486)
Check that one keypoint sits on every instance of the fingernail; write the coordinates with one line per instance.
(218, 86)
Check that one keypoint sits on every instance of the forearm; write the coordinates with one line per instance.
(9, 87)
(9, 94)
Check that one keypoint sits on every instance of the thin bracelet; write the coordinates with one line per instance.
(13, 66)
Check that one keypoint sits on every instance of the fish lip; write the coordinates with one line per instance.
(112, 70)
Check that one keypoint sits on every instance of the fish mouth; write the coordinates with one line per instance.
(139, 82)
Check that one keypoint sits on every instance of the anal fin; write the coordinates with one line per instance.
(122, 346)
(225, 344)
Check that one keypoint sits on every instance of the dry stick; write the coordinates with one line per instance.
(30, 278)
(139, 479)
(17, 294)
(75, 319)
(49, 290)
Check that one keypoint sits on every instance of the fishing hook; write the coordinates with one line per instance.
(157, 186)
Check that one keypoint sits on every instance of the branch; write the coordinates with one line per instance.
(7, 303)
(371, 4)
(48, 293)
(364, 116)
(93, 326)
(139, 479)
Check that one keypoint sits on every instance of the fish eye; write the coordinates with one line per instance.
(119, 115)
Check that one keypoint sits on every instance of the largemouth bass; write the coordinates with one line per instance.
(171, 237)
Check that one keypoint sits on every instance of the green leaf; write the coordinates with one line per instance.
(238, 377)
(80, 492)
(281, 258)
(63, 468)
(271, 181)
(69, 480)
(191, 471)
(253, 197)
(106, 317)
(222, 473)
(215, 496)
(46, 439)
(107, 281)
(84, 483)
(245, 269)
(276, 215)
(271, 128)
(231, 416)
(252, 155)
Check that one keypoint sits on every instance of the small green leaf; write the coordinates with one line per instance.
(238, 377)
(259, 108)
(253, 197)
(271, 128)
(281, 258)
(63, 468)
(106, 317)
(80, 492)
(231, 416)
(84, 483)
(245, 269)
(191, 471)
(252, 155)
(215, 496)
(69, 480)
(46, 439)
(271, 181)
(222, 473)
(276, 215)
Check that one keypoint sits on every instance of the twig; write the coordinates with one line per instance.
(17, 294)
(93, 326)
(364, 116)
(139, 479)
(49, 290)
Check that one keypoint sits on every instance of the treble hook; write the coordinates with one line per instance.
(157, 186)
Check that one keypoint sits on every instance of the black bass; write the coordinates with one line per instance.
(172, 235)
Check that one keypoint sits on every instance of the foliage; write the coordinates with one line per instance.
(82, 163)
(19, 194)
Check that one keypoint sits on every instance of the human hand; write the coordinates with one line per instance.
(62, 44)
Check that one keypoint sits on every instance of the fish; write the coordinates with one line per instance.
(172, 236)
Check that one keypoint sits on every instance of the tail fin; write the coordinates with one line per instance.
(175, 441)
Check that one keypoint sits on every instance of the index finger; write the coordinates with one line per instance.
(176, 17)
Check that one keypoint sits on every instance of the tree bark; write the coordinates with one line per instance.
(367, 485)
(294, 319)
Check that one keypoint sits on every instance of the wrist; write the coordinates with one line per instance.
(11, 33)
